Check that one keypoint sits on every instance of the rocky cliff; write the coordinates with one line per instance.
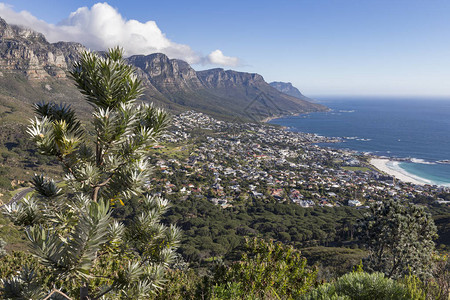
(27, 51)
(168, 75)
(32, 67)
(288, 89)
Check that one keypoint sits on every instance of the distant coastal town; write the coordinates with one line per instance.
(229, 163)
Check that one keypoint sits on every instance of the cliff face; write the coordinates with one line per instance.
(287, 88)
(168, 75)
(219, 78)
(29, 52)
(170, 83)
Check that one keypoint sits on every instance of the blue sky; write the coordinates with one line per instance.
(324, 47)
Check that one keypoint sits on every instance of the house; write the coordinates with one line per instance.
(354, 203)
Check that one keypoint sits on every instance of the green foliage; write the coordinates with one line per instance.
(361, 286)
(266, 268)
(106, 82)
(12, 235)
(210, 231)
(333, 260)
(399, 237)
(25, 285)
(2, 248)
(232, 290)
(5, 183)
(72, 234)
(185, 284)
(415, 286)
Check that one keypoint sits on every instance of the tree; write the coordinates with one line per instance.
(86, 252)
(399, 237)
(265, 270)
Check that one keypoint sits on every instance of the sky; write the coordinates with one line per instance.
(324, 47)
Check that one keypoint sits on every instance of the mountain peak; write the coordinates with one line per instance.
(288, 88)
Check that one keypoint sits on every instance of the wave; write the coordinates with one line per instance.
(445, 161)
(396, 166)
(421, 161)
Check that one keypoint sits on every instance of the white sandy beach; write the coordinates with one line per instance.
(389, 167)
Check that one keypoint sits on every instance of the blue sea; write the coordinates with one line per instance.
(418, 129)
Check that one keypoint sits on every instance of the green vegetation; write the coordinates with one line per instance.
(174, 151)
(212, 231)
(19, 160)
(362, 169)
(76, 244)
(99, 233)
(12, 235)
(362, 286)
(399, 237)
(266, 269)
(333, 260)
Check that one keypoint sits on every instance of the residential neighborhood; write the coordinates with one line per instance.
(230, 163)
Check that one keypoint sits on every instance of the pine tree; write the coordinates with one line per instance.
(399, 237)
(88, 253)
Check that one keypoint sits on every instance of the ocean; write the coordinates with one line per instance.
(417, 129)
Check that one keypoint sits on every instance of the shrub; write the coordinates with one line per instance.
(362, 286)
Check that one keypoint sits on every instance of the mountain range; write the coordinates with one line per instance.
(32, 69)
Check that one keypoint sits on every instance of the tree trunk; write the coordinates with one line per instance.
(84, 292)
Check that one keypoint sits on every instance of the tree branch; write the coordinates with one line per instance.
(109, 289)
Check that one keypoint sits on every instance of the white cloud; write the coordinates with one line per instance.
(102, 26)
(217, 57)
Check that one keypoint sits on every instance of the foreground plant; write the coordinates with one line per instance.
(266, 270)
(361, 286)
(87, 253)
(399, 237)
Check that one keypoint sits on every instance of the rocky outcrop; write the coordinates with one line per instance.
(219, 78)
(288, 89)
(27, 51)
(167, 75)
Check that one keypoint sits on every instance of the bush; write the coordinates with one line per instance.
(362, 286)
(266, 269)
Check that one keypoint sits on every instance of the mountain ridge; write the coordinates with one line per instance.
(29, 62)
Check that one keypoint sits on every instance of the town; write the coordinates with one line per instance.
(230, 163)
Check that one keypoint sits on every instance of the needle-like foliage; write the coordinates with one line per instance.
(87, 253)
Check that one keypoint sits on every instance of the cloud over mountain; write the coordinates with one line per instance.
(217, 57)
(102, 26)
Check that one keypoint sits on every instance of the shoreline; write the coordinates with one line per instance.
(293, 114)
(387, 165)
(382, 164)
(268, 119)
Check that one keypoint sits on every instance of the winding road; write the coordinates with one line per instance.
(18, 196)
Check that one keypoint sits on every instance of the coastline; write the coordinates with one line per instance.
(389, 167)
(268, 119)
(293, 114)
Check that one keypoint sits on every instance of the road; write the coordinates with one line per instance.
(18, 196)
